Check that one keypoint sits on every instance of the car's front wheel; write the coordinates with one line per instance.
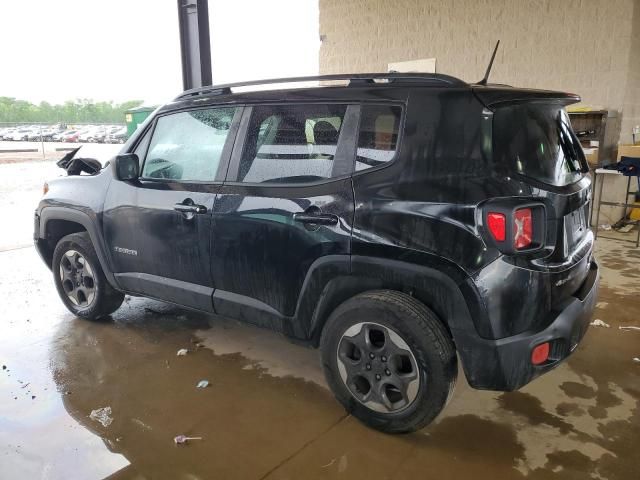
(80, 280)
(389, 360)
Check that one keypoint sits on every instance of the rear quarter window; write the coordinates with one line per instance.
(378, 135)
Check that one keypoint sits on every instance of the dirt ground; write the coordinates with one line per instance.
(267, 412)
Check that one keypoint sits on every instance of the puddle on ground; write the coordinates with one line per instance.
(267, 413)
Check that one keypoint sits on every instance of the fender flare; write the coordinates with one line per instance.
(90, 225)
(445, 293)
(336, 278)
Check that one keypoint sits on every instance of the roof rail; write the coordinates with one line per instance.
(353, 79)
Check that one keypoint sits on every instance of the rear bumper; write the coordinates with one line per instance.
(505, 364)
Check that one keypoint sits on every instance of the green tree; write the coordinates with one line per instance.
(72, 111)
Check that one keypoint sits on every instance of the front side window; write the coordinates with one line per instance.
(378, 137)
(291, 143)
(188, 146)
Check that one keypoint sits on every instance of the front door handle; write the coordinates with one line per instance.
(188, 206)
(316, 218)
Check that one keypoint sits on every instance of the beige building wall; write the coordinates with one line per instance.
(581, 46)
(631, 106)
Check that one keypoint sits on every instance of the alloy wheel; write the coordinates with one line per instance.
(378, 367)
(78, 279)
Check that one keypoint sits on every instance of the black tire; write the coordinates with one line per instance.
(430, 347)
(103, 299)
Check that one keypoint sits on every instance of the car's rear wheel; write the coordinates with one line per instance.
(80, 280)
(389, 360)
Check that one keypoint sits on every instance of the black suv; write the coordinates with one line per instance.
(394, 220)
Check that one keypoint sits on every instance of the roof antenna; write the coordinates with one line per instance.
(486, 75)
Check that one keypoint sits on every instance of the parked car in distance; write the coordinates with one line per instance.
(118, 135)
(19, 134)
(83, 135)
(5, 133)
(35, 134)
(50, 132)
(70, 136)
(59, 137)
(398, 223)
(97, 135)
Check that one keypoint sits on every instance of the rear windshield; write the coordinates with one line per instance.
(537, 141)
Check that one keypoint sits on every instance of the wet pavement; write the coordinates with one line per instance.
(267, 412)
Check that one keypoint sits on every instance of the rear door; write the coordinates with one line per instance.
(159, 227)
(285, 207)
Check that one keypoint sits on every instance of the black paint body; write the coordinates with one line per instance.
(414, 225)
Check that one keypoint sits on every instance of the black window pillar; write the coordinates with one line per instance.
(195, 46)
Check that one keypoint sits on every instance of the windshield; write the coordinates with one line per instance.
(536, 140)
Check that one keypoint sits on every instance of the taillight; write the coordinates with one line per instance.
(514, 226)
(522, 228)
(497, 223)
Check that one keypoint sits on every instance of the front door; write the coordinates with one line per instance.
(159, 227)
(287, 203)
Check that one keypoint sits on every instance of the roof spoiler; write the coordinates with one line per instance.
(498, 96)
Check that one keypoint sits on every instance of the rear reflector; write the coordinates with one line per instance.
(523, 225)
(540, 353)
(497, 223)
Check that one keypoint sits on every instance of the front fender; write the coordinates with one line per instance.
(88, 221)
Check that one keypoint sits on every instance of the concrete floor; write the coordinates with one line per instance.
(267, 412)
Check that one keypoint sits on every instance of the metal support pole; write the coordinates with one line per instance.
(599, 205)
(195, 44)
(42, 142)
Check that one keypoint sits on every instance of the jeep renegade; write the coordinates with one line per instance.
(396, 221)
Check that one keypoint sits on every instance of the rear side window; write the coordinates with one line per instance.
(291, 143)
(378, 137)
(187, 146)
(536, 140)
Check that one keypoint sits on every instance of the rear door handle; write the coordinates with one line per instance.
(315, 218)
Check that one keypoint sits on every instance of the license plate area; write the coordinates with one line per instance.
(575, 225)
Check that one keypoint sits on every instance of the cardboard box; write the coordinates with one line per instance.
(628, 151)
(592, 156)
(423, 65)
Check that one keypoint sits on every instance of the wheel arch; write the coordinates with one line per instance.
(56, 229)
(435, 282)
(57, 222)
(431, 286)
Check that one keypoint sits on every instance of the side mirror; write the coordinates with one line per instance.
(127, 166)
